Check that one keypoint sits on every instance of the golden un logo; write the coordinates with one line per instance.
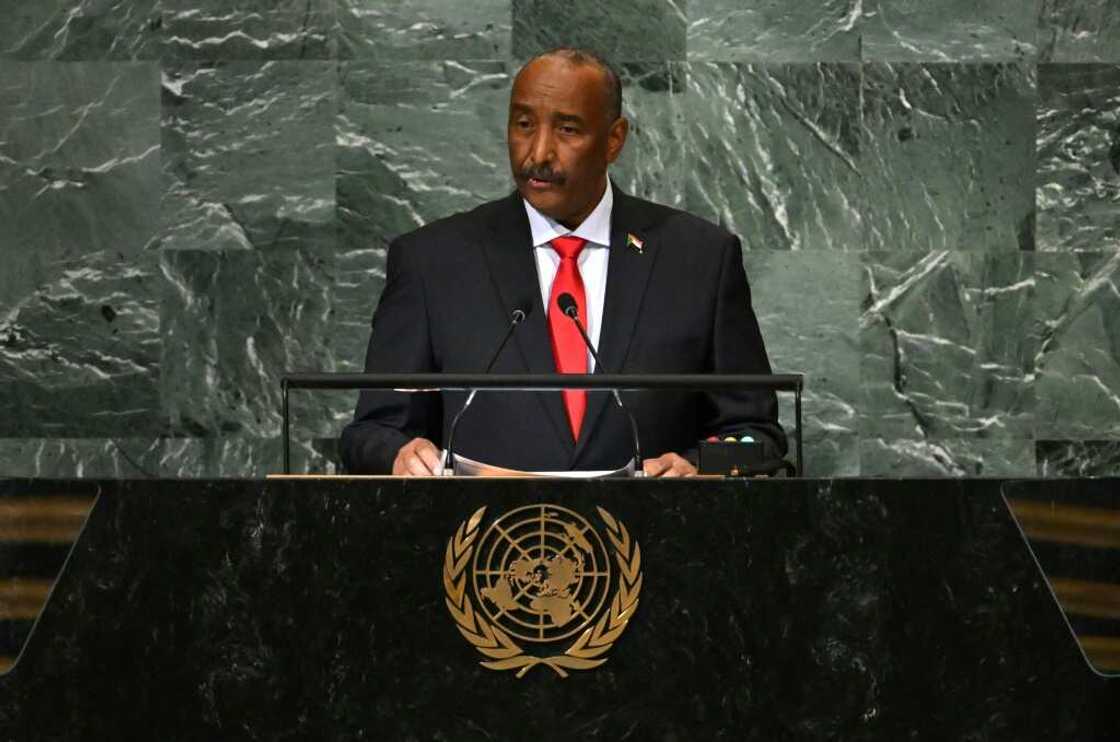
(542, 575)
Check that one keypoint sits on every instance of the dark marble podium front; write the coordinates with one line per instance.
(770, 610)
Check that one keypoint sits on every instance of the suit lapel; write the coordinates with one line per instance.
(628, 272)
(509, 256)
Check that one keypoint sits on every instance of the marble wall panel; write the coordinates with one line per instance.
(79, 162)
(424, 29)
(1078, 364)
(652, 164)
(774, 31)
(317, 417)
(970, 457)
(248, 29)
(1078, 182)
(819, 339)
(773, 153)
(417, 141)
(248, 155)
(359, 277)
(79, 166)
(1078, 458)
(238, 456)
(635, 31)
(80, 355)
(232, 323)
(947, 156)
(948, 346)
(1079, 30)
(948, 30)
(117, 458)
(827, 453)
(72, 30)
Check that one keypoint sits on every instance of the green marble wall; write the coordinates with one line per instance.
(196, 196)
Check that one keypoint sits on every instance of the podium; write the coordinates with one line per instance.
(473, 383)
(305, 608)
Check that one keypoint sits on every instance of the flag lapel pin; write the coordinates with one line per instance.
(634, 243)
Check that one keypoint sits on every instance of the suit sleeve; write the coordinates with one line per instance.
(399, 342)
(737, 348)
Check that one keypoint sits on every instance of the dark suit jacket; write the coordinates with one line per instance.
(681, 305)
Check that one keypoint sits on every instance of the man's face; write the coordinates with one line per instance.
(560, 139)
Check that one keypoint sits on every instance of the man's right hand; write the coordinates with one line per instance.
(417, 458)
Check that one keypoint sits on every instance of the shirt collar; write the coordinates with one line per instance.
(596, 228)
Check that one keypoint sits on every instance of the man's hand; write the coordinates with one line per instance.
(417, 458)
(668, 465)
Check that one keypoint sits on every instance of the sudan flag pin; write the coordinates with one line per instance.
(634, 243)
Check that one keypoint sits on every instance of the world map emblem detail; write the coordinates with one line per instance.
(540, 575)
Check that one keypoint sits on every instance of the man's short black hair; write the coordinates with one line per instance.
(586, 56)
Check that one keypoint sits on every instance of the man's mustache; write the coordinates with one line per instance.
(543, 172)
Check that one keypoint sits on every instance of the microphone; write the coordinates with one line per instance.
(567, 304)
(516, 317)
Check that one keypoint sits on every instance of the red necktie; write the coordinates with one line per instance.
(567, 345)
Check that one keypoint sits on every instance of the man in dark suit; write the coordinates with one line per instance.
(659, 290)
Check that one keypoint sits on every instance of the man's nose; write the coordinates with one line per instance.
(542, 146)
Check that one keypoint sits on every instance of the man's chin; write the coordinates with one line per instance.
(547, 201)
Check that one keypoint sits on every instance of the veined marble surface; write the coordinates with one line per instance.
(948, 30)
(633, 31)
(1078, 183)
(1079, 30)
(248, 158)
(1078, 385)
(947, 344)
(81, 31)
(1078, 458)
(770, 31)
(196, 196)
(948, 158)
(423, 29)
(819, 336)
(774, 151)
(248, 29)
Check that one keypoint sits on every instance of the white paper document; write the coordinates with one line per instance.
(465, 467)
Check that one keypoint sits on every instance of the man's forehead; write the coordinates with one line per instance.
(559, 80)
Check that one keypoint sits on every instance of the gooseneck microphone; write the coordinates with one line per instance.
(567, 304)
(516, 317)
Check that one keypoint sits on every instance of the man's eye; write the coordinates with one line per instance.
(523, 123)
(569, 129)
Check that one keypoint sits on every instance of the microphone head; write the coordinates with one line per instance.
(567, 304)
(518, 316)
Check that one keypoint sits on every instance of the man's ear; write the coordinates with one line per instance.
(616, 138)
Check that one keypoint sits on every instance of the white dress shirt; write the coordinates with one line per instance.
(596, 229)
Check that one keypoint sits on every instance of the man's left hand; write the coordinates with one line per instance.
(668, 465)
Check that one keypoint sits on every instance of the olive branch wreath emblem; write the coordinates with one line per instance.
(491, 641)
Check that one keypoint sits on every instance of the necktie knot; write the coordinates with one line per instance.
(568, 247)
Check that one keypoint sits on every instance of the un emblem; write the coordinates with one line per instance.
(541, 575)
